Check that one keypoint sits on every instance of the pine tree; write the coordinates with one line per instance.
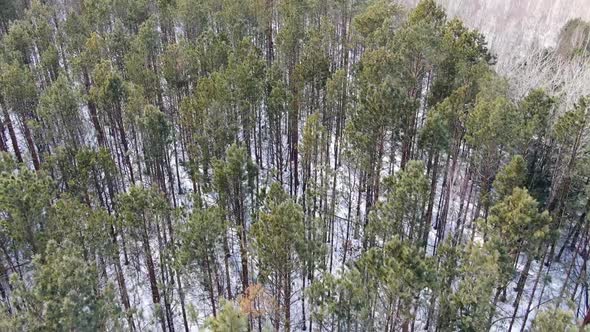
(200, 244)
(230, 319)
(25, 197)
(518, 227)
(279, 242)
(402, 213)
(554, 320)
(58, 109)
(63, 284)
(471, 305)
(538, 108)
(19, 94)
(142, 213)
(322, 139)
(511, 176)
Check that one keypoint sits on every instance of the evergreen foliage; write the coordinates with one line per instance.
(285, 165)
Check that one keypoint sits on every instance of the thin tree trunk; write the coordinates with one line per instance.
(31, 144)
(519, 289)
(210, 281)
(3, 146)
(152, 277)
(226, 256)
(93, 113)
(532, 296)
(11, 133)
(287, 302)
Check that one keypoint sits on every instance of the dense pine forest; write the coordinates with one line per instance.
(287, 165)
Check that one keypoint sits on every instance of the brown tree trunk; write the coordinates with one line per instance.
(3, 146)
(287, 302)
(100, 137)
(123, 292)
(269, 41)
(532, 296)
(243, 256)
(121, 280)
(226, 263)
(152, 276)
(12, 135)
(293, 143)
(432, 194)
(31, 144)
(210, 281)
(123, 136)
(519, 289)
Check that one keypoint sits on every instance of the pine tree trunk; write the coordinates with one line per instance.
(123, 292)
(93, 113)
(519, 289)
(11, 132)
(243, 252)
(278, 301)
(432, 195)
(3, 145)
(152, 277)
(573, 264)
(581, 275)
(210, 282)
(532, 296)
(121, 279)
(269, 41)
(287, 302)
(226, 263)
(464, 217)
(450, 179)
(294, 143)
(576, 232)
(462, 195)
(123, 137)
(30, 144)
